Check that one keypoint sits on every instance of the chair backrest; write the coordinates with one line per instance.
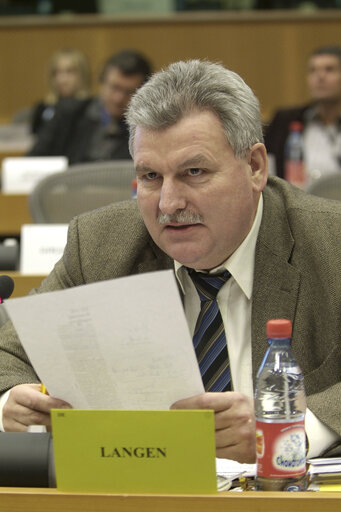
(327, 186)
(82, 187)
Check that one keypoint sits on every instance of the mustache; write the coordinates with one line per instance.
(181, 217)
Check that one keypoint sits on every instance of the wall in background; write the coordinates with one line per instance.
(268, 49)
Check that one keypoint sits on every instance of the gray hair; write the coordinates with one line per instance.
(185, 87)
(328, 50)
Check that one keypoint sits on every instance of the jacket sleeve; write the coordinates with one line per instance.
(15, 367)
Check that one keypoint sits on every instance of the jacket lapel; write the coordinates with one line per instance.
(276, 281)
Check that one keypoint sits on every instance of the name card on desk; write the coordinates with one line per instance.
(41, 246)
(20, 174)
(134, 451)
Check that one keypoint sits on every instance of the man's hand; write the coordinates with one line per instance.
(26, 405)
(235, 431)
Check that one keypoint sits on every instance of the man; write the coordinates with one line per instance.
(321, 119)
(94, 129)
(203, 204)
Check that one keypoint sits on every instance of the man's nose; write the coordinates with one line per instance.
(119, 97)
(321, 73)
(172, 197)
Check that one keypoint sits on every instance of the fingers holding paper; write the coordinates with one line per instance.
(234, 423)
(26, 405)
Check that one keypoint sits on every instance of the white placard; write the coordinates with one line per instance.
(41, 246)
(19, 175)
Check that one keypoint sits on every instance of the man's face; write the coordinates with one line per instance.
(117, 89)
(188, 174)
(324, 78)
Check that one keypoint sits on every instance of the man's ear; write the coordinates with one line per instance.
(258, 162)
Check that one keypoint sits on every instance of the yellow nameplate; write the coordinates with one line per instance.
(134, 451)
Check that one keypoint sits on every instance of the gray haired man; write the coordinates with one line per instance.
(204, 205)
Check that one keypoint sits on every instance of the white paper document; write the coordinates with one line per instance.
(232, 468)
(321, 465)
(118, 344)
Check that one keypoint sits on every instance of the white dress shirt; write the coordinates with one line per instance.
(234, 300)
(322, 150)
(321, 146)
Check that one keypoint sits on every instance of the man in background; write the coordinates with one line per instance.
(321, 119)
(94, 129)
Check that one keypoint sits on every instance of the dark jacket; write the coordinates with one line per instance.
(71, 133)
(276, 133)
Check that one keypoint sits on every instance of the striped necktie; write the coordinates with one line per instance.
(209, 335)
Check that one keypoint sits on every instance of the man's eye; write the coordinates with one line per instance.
(194, 171)
(151, 176)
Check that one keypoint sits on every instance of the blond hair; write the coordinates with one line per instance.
(80, 63)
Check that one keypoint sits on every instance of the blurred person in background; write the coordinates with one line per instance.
(321, 118)
(68, 77)
(94, 129)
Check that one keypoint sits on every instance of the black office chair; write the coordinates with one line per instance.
(82, 187)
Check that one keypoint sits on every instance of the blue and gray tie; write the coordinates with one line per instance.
(209, 336)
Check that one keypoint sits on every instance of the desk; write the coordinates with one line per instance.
(50, 500)
(23, 283)
(14, 212)
(15, 140)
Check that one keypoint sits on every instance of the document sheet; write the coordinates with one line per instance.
(118, 344)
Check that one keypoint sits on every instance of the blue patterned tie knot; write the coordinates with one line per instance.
(208, 285)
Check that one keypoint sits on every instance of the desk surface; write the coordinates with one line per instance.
(23, 283)
(14, 211)
(50, 500)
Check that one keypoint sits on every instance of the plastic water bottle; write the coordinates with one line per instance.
(134, 188)
(280, 406)
(294, 168)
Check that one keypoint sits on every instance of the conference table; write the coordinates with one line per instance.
(14, 212)
(23, 283)
(14, 209)
(14, 499)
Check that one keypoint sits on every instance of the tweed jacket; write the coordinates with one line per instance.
(296, 276)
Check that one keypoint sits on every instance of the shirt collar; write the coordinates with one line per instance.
(311, 114)
(241, 263)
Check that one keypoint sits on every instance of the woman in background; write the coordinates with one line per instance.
(68, 77)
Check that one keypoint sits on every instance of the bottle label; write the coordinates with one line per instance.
(281, 450)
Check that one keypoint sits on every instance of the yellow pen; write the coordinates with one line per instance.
(43, 389)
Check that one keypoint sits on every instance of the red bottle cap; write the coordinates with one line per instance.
(296, 126)
(279, 328)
